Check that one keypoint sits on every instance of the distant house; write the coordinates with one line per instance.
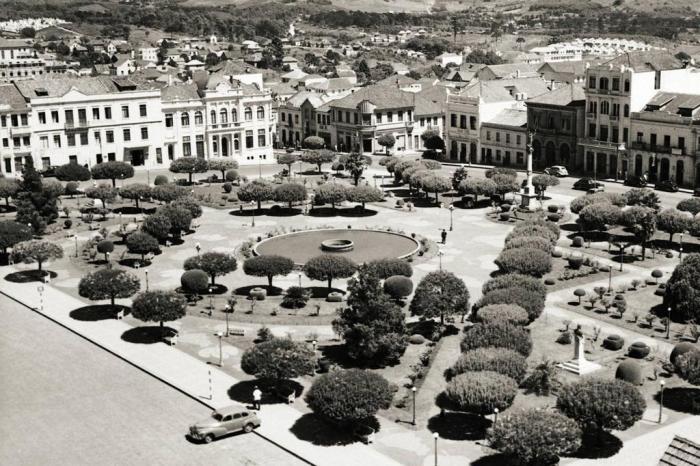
(149, 54)
(124, 66)
(347, 73)
(291, 62)
(334, 87)
(508, 71)
(194, 65)
(568, 72)
(250, 45)
(448, 58)
(402, 82)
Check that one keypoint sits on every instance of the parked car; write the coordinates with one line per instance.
(667, 185)
(556, 170)
(636, 181)
(48, 172)
(224, 421)
(588, 184)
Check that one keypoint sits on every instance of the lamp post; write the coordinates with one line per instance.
(668, 324)
(146, 272)
(76, 245)
(452, 209)
(299, 274)
(610, 280)
(227, 310)
(436, 436)
(40, 289)
(413, 389)
(680, 249)
(495, 416)
(108, 262)
(211, 304)
(661, 399)
(622, 255)
(221, 354)
(440, 253)
(618, 149)
(253, 204)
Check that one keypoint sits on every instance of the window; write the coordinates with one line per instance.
(199, 145)
(125, 111)
(237, 142)
(98, 137)
(347, 117)
(83, 139)
(3, 121)
(168, 120)
(340, 117)
(627, 110)
(109, 136)
(224, 116)
(657, 79)
(604, 107)
(111, 156)
(472, 122)
(44, 142)
(566, 124)
(284, 116)
(23, 119)
(422, 122)
(5, 142)
(212, 117)
(519, 157)
(379, 118)
(54, 116)
(640, 136)
(463, 121)
(296, 119)
(57, 140)
(453, 120)
(185, 119)
(615, 84)
(82, 116)
(488, 135)
(108, 113)
(248, 139)
(16, 142)
(144, 133)
(507, 138)
(592, 107)
(603, 83)
(143, 111)
(26, 141)
(234, 115)
(261, 138)
(681, 142)
(186, 146)
(95, 113)
(591, 82)
(591, 130)
(249, 114)
(627, 85)
(389, 117)
(652, 140)
(356, 118)
(400, 115)
(615, 134)
(71, 140)
(261, 113)
(517, 139)
(159, 155)
(498, 136)
(127, 134)
(73, 159)
(667, 140)
(615, 110)
(603, 133)
(198, 118)
(69, 117)
(42, 118)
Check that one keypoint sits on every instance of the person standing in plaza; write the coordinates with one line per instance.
(257, 397)
(443, 235)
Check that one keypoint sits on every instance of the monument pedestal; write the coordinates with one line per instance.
(580, 365)
(527, 198)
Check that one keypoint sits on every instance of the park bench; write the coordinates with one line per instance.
(238, 332)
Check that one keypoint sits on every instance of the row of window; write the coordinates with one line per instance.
(431, 121)
(367, 117)
(236, 143)
(605, 83)
(224, 115)
(607, 133)
(518, 138)
(549, 122)
(462, 121)
(17, 142)
(14, 121)
(607, 109)
(97, 114)
(653, 140)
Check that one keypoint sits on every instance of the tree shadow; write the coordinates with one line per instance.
(98, 312)
(271, 290)
(594, 446)
(400, 192)
(682, 399)
(312, 428)
(242, 391)
(4, 209)
(496, 459)
(459, 426)
(147, 335)
(282, 211)
(357, 211)
(132, 261)
(425, 202)
(132, 210)
(324, 212)
(27, 276)
(322, 292)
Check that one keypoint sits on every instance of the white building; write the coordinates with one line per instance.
(19, 60)
(15, 132)
(149, 54)
(449, 58)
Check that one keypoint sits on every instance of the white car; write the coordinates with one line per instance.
(556, 170)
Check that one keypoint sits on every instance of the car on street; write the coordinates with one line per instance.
(636, 181)
(224, 421)
(556, 170)
(667, 185)
(589, 184)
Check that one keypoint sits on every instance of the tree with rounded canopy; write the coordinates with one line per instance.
(389, 267)
(12, 233)
(602, 404)
(256, 191)
(135, 191)
(535, 436)
(530, 300)
(105, 247)
(318, 157)
(278, 359)
(189, 165)
(35, 250)
(8, 188)
(112, 171)
(288, 160)
(542, 182)
(372, 326)
(53, 188)
(643, 222)
(180, 218)
(398, 287)
(432, 140)
(222, 165)
(158, 306)
(459, 175)
(480, 392)
(356, 164)
(643, 197)
(505, 184)
(349, 396)
(214, 264)
(688, 365)
(387, 141)
(580, 202)
(157, 225)
(268, 266)
(102, 192)
(327, 267)
(364, 194)
(691, 205)
(189, 203)
(502, 360)
(109, 284)
(401, 166)
(168, 192)
(290, 193)
(314, 142)
(388, 162)
(683, 289)
(478, 187)
(435, 183)
(440, 294)
(509, 313)
(331, 193)
(673, 221)
(599, 217)
(73, 172)
(140, 242)
(497, 335)
(194, 281)
(526, 261)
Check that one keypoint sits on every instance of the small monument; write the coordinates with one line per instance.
(580, 365)
(528, 193)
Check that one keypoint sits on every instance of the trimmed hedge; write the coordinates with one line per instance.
(481, 392)
(529, 300)
(527, 261)
(511, 280)
(498, 335)
(529, 242)
(529, 229)
(385, 268)
(398, 286)
(510, 313)
(501, 360)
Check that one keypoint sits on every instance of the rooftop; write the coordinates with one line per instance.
(503, 90)
(674, 103)
(646, 61)
(11, 99)
(681, 452)
(60, 86)
(510, 117)
(380, 96)
(562, 96)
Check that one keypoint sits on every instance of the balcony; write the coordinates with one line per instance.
(76, 125)
(609, 145)
(591, 114)
(655, 148)
(614, 117)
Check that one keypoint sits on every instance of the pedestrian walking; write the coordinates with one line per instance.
(257, 397)
(443, 235)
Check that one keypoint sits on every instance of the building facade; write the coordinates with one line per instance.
(15, 131)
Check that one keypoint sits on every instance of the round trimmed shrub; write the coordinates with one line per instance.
(481, 392)
(504, 216)
(557, 253)
(72, 188)
(549, 281)
(232, 175)
(656, 273)
(194, 281)
(68, 223)
(385, 268)
(501, 360)
(416, 339)
(552, 209)
(639, 350)
(160, 180)
(530, 228)
(613, 342)
(553, 217)
(629, 371)
(575, 262)
(527, 261)
(531, 301)
(529, 242)
(258, 294)
(680, 349)
(509, 313)
(105, 246)
(334, 297)
(577, 242)
(398, 286)
(511, 280)
(295, 297)
(497, 335)
(228, 187)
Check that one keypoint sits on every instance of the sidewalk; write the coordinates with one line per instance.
(187, 374)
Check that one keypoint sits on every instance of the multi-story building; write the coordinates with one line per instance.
(184, 121)
(481, 102)
(15, 132)
(19, 60)
(556, 121)
(297, 118)
(504, 138)
(363, 116)
(666, 139)
(616, 89)
(430, 105)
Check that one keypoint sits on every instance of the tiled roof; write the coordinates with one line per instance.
(681, 452)
(646, 61)
(431, 100)
(180, 92)
(60, 86)
(576, 67)
(380, 96)
(503, 90)
(672, 102)
(510, 117)
(15, 43)
(562, 96)
(397, 79)
(333, 84)
(510, 70)
(282, 89)
(315, 99)
(11, 98)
